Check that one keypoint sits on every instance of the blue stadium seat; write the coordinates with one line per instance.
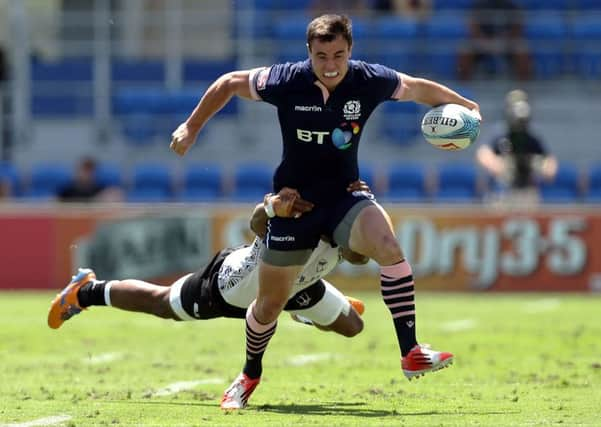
(195, 70)
(201, 182)
(457, 183)
(147, 195)
(9, 173)
(445, 32)
(62, 105)
(452, 4)
(69, 69)
(407, 183)
(400, 122)
(282, 5)
(291, 28)
(396, 43)
(47, 179)
(146, 71)
(109, 175)
(532, 5)
(588, 5)
(290, 36)
(252, 181)
(565, 188)
(586, 36)
(546, 33)
(150, 182)
(135, 100)
(139, 129)
(73, 99)
(593, 194)
(149, 111)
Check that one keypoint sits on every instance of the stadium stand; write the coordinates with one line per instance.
(564, 37)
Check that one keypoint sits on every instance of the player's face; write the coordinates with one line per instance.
(330, 60)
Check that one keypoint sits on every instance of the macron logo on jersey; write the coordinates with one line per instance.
(310, 108)
(282, 238)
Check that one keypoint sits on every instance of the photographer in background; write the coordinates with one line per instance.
(516, 158)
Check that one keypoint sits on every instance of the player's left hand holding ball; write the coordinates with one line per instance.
(182, 139)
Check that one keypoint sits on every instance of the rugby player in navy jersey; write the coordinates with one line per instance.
(323, 104)
(228, 284)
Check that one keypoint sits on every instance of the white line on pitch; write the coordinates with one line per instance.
(305, 359)
(102, 358)
(48, 421)
(542, 305)
(459, 325)
(185, 385)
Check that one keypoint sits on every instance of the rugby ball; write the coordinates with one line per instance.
(451, 126)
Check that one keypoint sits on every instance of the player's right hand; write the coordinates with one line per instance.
(182, 139)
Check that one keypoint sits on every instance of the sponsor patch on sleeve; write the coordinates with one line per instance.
(262, 77)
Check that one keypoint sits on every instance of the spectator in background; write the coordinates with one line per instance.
(496, 34)
(515, 157)
(85, 188)
(413, 9)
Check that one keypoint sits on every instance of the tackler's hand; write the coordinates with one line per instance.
(182, 139)
(289, 204)
(358, 186)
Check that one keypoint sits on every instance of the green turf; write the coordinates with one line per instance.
(520, 360)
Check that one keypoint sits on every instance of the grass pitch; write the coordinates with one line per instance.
(521, 359)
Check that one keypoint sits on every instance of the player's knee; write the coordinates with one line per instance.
(268, 310)
(162, 307)
(388, 250)
(348, 326)
(355, 326)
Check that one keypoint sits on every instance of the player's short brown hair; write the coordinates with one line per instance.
(326, 28)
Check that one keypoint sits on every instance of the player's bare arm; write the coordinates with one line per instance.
(235, 83)
(430, 93)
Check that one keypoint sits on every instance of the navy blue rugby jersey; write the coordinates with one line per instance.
(321, 131)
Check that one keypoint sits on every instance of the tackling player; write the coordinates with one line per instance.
(227, 285)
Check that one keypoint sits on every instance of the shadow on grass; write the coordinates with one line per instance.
(359, 409)
(355, 409)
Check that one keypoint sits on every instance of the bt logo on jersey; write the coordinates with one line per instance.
(341, 137)
(310, 136)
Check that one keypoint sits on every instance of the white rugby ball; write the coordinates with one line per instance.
(451, 126)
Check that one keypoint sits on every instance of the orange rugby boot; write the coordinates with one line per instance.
(66, 305)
